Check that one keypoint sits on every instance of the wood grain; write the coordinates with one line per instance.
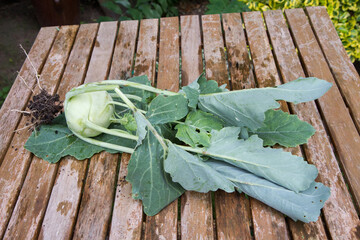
(30, 206)
(191, 49)
(145, 61)
(127, 214)
(344, 72)
(62, 208)
(231, 210)
(196, 208)
(19, 93)
(214, 50)
(342, 129)
(164, 224)
(241, 69)
(339, 212)
(97, 198)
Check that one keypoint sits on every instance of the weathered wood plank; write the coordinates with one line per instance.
(96, 202)
(30, 206)
(268, 223)
(62, 208)
(127, 213)
(343, 70)
(277, 27)
(196, 208)
(339, 211)
(241, 71)
(145, 61)
(19, 92)
(343, 130)
(231, 209)
(214, 49)
(164, 224)
(191, 49)
(242, 76)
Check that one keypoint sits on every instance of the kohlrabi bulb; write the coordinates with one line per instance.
(92, 106)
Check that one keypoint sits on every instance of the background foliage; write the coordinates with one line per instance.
(345, 15)
(140, 9)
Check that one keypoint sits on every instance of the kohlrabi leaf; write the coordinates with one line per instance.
(192, 173)
(164, 109)
(141, 127)
(145, 95)
(208, 86)
(284, 129)
(304, 206)
(192, 94)
(190, 136)
(54, 141)
(246, 108)
(149, 181)
(196, 127)
(276, 165)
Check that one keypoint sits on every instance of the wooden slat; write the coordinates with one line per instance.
(30, 206)
(62, 208)
(268, 223)
(191, 49)
(241, 77)
(8, 118)
(214, 49)
(241, 71)
(343, 130)
(96, 202)
(344, 71)
(164, 224)
(127, 213)
(196, 208)
(338, 210)
(230, 210)
(145, 61)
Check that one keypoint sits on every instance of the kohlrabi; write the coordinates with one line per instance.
(210, 123)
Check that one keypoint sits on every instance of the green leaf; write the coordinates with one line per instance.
(149, 181)
(54, 141)
(226, 6)
(145, 95)
(284, 129)
(141, 127)
(246, 108)
(192, 173)
(148, 11)
(196, 127)
(135, 14)
(124, 3)
(304, 206)
(112, 6)
(157, 8)
(275, 165)
(207, 87)
(192, 94)
(190, 136)
(105, 19)
(164, 109)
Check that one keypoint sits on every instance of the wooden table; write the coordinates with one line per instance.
(91, 200)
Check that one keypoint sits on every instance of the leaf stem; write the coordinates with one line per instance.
(105, 144)
(124, 105)
(115, 132)
(148, 124)
(139, 86)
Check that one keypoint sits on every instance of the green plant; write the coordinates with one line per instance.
(345, 15)
(139, 9)
(226, 6)
(202, 138)
(3, 94)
